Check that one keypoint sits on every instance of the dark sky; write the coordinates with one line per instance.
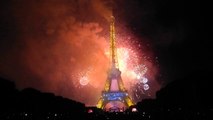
(179, 33)
(179, 30)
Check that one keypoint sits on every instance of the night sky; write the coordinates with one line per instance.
(44, 44)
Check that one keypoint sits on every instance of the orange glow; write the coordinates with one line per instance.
(62, 47)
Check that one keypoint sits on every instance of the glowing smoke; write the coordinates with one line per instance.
(61, 47)
(103, 8)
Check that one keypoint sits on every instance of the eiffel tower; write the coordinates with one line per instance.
(114, 96)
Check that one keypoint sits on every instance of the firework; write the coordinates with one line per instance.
(132, 64)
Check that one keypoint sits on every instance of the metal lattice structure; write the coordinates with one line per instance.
(114, 94)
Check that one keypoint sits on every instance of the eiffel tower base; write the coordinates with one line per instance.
(117, 101)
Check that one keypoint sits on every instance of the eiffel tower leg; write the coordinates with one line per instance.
(100, 103)
(128, 101)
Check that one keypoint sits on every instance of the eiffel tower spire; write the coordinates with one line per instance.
(113, 51)
(114, 95)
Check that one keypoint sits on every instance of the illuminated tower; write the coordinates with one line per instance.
(114, 96)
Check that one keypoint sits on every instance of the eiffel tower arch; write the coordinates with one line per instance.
(114, 96)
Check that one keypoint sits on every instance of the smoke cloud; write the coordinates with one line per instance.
(103, 7)
(50, 46)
